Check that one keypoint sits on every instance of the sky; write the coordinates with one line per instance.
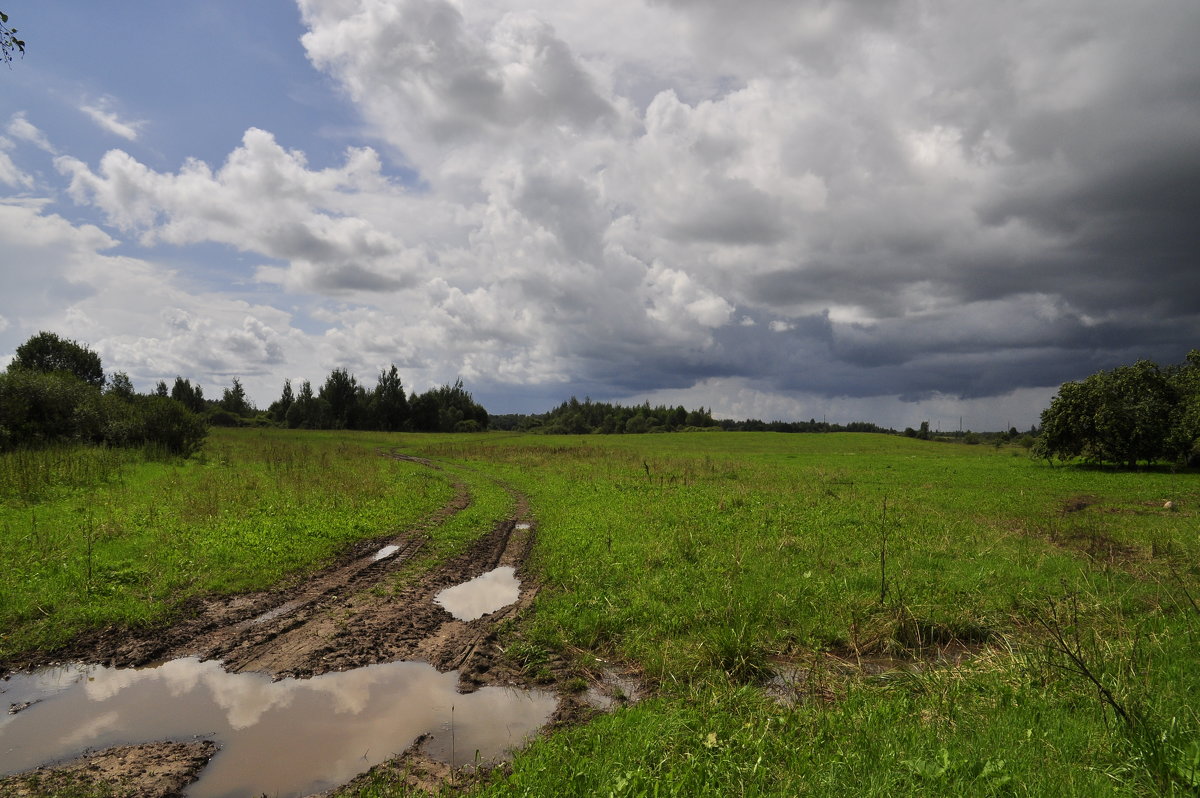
(898, 211)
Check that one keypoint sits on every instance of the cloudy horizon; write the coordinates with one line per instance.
(893, 212)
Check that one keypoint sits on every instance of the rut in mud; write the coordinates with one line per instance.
(344, 618)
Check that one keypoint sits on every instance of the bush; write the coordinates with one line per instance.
(173, 426)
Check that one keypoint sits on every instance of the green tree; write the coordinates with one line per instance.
(121, 386)
(233, 400)
(191, 397)
(46, 352)
(340, 391)
(1121, 416)
(279, 408)
(389, 405)
(1183, 442)
(308, 411)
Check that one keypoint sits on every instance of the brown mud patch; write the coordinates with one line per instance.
(824, 676)
(152, 770)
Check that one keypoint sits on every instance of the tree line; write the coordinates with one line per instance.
(574, 417)
(55, 391)
(341, 402)
(1131, 414)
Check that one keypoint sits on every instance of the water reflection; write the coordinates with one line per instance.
(290, 737)
(483, 594)
(385, 552)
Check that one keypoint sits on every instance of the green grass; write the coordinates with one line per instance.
(127, 547)
(708, 562)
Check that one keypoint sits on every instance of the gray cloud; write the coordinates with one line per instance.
(908, 200)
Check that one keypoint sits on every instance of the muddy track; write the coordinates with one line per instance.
(203, 626)
(349, 615)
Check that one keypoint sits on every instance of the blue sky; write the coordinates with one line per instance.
(895, 212)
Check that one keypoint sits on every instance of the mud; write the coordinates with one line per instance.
(347, 616)
(153, 770)
(823, 677)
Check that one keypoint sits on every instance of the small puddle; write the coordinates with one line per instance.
(486, 593)
(612, 690)
(291, 737)
(384, 553)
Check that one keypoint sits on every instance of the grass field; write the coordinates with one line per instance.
(952, 619)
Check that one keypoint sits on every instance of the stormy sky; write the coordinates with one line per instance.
(893, 211)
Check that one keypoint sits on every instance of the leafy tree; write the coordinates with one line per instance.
(389, 405)
(9, 43)
(160, 388)
(46, 352)
(1183, 442)
(308, 412)
(423, 413)
(121, 386)
(191, 397)
(1121, 416)
(39, 407)
(280, 407)
(172, 426)
(340, 391)
(233, 400)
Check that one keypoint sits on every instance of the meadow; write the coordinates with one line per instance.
(807, 614)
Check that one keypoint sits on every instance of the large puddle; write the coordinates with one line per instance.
(486, 593)
(287, 738)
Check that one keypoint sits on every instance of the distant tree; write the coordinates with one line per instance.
(233, 400)
(9, 43)
(340, 391)
(191, 397)
(308, 411)
(423, 413)
(171, 425)
(121, 386)
(46, 352)
(160, 388)
(280, 407)
(389, 405)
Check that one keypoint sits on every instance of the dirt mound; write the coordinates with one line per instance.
(153, 770)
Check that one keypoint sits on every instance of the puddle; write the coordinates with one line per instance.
(612, 690)
(291, 737)
(486, 593)
(384, 553)
(282, 609)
